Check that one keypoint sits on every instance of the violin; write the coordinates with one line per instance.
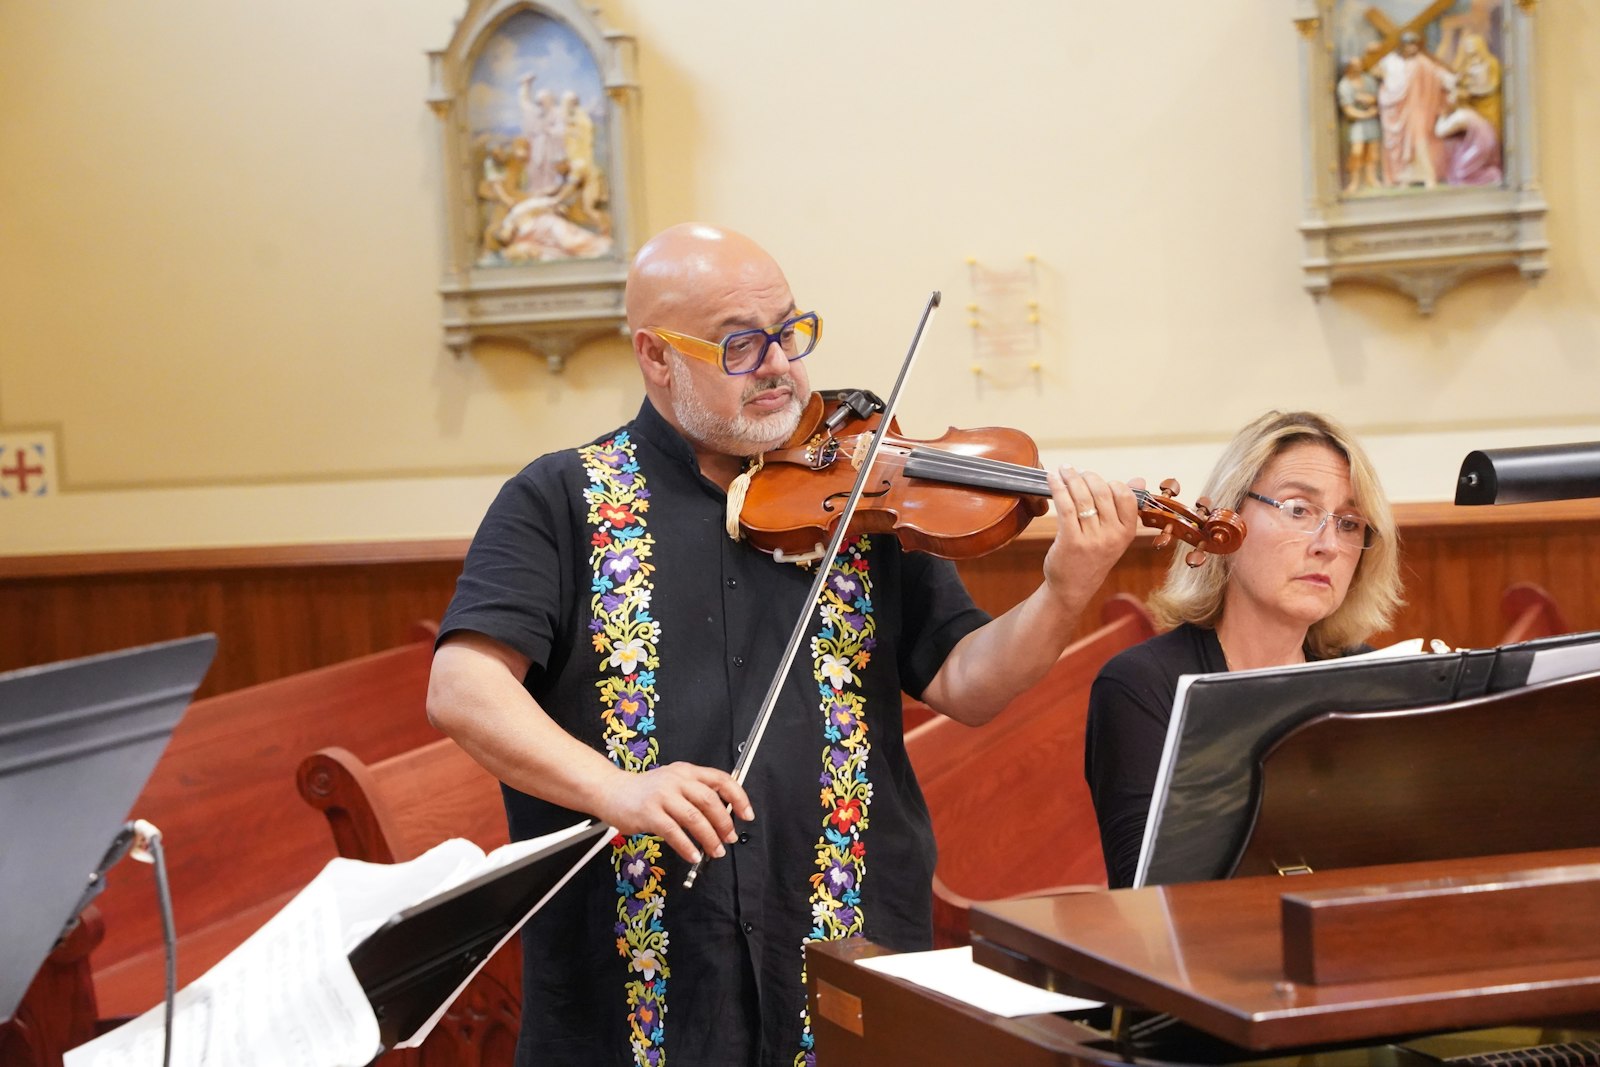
(969, 497)
(960, 495)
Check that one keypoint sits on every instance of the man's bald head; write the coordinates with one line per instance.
(686, 267)
(707, 283)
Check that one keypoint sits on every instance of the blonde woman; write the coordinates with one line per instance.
(1319, 572)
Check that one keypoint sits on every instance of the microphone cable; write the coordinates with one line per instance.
(147, 848)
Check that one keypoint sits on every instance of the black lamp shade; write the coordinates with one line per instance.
(1520, 475)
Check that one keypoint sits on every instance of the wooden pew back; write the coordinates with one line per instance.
(396, 809)
(1011, 810)
(239, 843)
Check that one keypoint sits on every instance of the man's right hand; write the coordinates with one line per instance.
(684, 804)
(476, 696)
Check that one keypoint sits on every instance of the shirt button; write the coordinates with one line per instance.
(733, 583)
(744, 839)
(749, 928)
(738, 661)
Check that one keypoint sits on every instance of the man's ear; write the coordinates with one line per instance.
(651, 352)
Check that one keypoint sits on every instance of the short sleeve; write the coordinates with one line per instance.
(937, 612)
(513, 586)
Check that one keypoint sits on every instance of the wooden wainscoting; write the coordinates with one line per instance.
(281, 610)
(276, 611)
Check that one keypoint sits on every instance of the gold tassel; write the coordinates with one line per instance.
(736, 492)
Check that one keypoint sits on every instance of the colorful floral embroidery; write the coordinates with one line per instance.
(841, 648)
(625, 635)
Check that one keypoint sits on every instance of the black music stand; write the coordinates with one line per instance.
(78, 741)
(416, 963)
(1207, 796)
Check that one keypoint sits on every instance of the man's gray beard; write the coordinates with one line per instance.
(742, 435)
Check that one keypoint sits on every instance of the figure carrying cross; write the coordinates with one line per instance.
(1413, 91)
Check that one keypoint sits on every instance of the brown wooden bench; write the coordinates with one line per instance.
(396, 809)
(1530, 612)
(1011, 810)
(239, 842)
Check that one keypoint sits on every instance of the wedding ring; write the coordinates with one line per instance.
(1088, 513)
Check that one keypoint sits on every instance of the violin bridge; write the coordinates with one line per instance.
(859, 456)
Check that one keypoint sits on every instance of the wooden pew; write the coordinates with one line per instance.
(239, 843)
(396, 809)
(1011, 810)
(1530, 612)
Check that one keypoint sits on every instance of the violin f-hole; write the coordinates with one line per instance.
(827, 501)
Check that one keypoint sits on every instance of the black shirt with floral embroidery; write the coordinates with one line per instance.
(653, 637)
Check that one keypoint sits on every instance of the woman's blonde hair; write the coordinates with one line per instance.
(1194, 594)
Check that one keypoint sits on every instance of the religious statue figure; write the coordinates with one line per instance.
(1411, 96)
(538, 119)
(1481, 17)
(1359, 107)
(542, 192)
(536, 229)
(583, 173)
(1474, 145)
(504, 171)
(542, 125)
(1478, 72)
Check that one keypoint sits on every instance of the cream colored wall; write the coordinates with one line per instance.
(220, 233)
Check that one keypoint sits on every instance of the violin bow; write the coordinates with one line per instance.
(747, 751)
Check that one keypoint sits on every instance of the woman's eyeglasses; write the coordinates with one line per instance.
(1304, 517)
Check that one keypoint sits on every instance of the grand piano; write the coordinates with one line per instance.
(1473, 950)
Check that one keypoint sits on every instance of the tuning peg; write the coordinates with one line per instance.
(1170, 487)
(1202, 504)
(1195, 558)
(1164, 538)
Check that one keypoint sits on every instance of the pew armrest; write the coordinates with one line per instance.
(1530, 612)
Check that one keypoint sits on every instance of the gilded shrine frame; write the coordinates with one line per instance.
(1447, 187)
(539, 107)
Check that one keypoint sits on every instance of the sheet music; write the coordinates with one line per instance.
(950, 971)
(287, 996)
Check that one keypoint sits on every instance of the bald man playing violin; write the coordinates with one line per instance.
(609, 645)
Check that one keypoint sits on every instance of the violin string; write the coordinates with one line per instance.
(959, 467)
(935, 464)
(960, 461)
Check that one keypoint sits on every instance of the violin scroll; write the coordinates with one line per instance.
(1215, 531)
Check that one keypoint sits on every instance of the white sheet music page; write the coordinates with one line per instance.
(285, 998)
(950, 971)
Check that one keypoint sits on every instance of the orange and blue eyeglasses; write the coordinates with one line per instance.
(743, 351)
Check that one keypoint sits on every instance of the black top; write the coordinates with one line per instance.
(653, 637)
(1130, 705)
